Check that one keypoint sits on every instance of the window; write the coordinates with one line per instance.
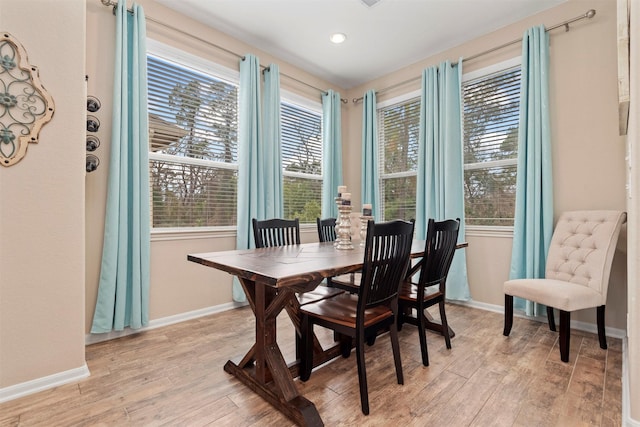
(491, 104)
(193, 122)
(302, 161)
(398, 127)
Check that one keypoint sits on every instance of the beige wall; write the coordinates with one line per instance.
(633, 140)
(177, 286)
(42, 260)
(588, 153)
(47, 291)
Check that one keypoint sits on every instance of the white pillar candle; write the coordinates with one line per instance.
(367, 209)
(341, 190)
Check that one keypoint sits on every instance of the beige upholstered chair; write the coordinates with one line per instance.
(577, 272)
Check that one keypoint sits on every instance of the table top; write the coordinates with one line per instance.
(289, 265)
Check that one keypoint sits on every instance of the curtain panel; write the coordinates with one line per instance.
(123, 292)
(331, 152)
(440, 177)
(249, 166)
(533, 222)
(270, 157)
(370, 174)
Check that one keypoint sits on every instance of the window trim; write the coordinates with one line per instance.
(489, 230)
(207, 67)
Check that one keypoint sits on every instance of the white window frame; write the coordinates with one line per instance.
(490, 230)
(409, 96)
(176, 55)
(315, 107)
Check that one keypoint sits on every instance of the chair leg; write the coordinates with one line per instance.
(395, 346)
(601, 333)
(508, 314)
(445, 325)
(362, 372)
(565, 326)
(306, 360)
(422, 333)
(551, 318)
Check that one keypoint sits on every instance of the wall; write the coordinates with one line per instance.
(588, 154)
(177, 286)
(633, 305)
(42, 259)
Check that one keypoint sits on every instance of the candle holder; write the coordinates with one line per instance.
(337, 228)
(364, 220)
(343, 237)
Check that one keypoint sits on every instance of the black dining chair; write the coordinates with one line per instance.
(276, 232)
(386, 259)
(326, 229)
(440, 246)
(327, 233)
(281, 232)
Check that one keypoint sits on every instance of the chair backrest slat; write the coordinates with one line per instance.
(276, 232)
(386, 260)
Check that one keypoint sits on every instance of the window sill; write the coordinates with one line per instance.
(489, 231)
(161, 234)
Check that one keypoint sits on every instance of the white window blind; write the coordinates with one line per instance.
(193, 124)
(302, 162)
(398, 127)
(491, 117)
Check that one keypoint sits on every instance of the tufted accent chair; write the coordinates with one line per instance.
(577, 272)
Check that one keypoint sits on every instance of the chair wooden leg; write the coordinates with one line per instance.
(508, 314)
(565, 327)
(601, 333)
(306, 360)
(422, 333)
(395, 346)
(445, 325)
(362, 373)
(551, 318)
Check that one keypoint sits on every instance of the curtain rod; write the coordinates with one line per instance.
(588, 15)
(110, 3)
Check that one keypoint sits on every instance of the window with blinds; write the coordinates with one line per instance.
(193, 126)
(491, 106)
(302, 162)
(398, 127)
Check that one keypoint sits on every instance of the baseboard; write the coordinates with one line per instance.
(44, 383)
(164, 321)
(627, 421)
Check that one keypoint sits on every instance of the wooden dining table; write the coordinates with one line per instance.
(273, 279)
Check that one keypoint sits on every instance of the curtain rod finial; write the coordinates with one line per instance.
(590, 13)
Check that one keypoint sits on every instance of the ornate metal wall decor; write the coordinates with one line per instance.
(25, 105)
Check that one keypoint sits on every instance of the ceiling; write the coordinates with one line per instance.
(381, 38)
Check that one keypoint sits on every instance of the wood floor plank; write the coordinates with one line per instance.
(173, 376)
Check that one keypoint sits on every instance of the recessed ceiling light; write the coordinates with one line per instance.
(338, 38)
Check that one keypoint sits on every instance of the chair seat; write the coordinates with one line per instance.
(558, 294)
(342, 309)
(318, 294)
(409, 292)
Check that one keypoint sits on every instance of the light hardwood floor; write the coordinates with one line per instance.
(173, 376)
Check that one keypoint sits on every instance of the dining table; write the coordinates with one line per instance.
(275, 279)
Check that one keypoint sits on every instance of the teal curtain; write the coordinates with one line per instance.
(270, 154)
(533, 223)
(440, 177)
(331, 152)
(249, 142)
(123, 292)
(370, 177)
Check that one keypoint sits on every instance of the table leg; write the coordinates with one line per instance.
(268, 375)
